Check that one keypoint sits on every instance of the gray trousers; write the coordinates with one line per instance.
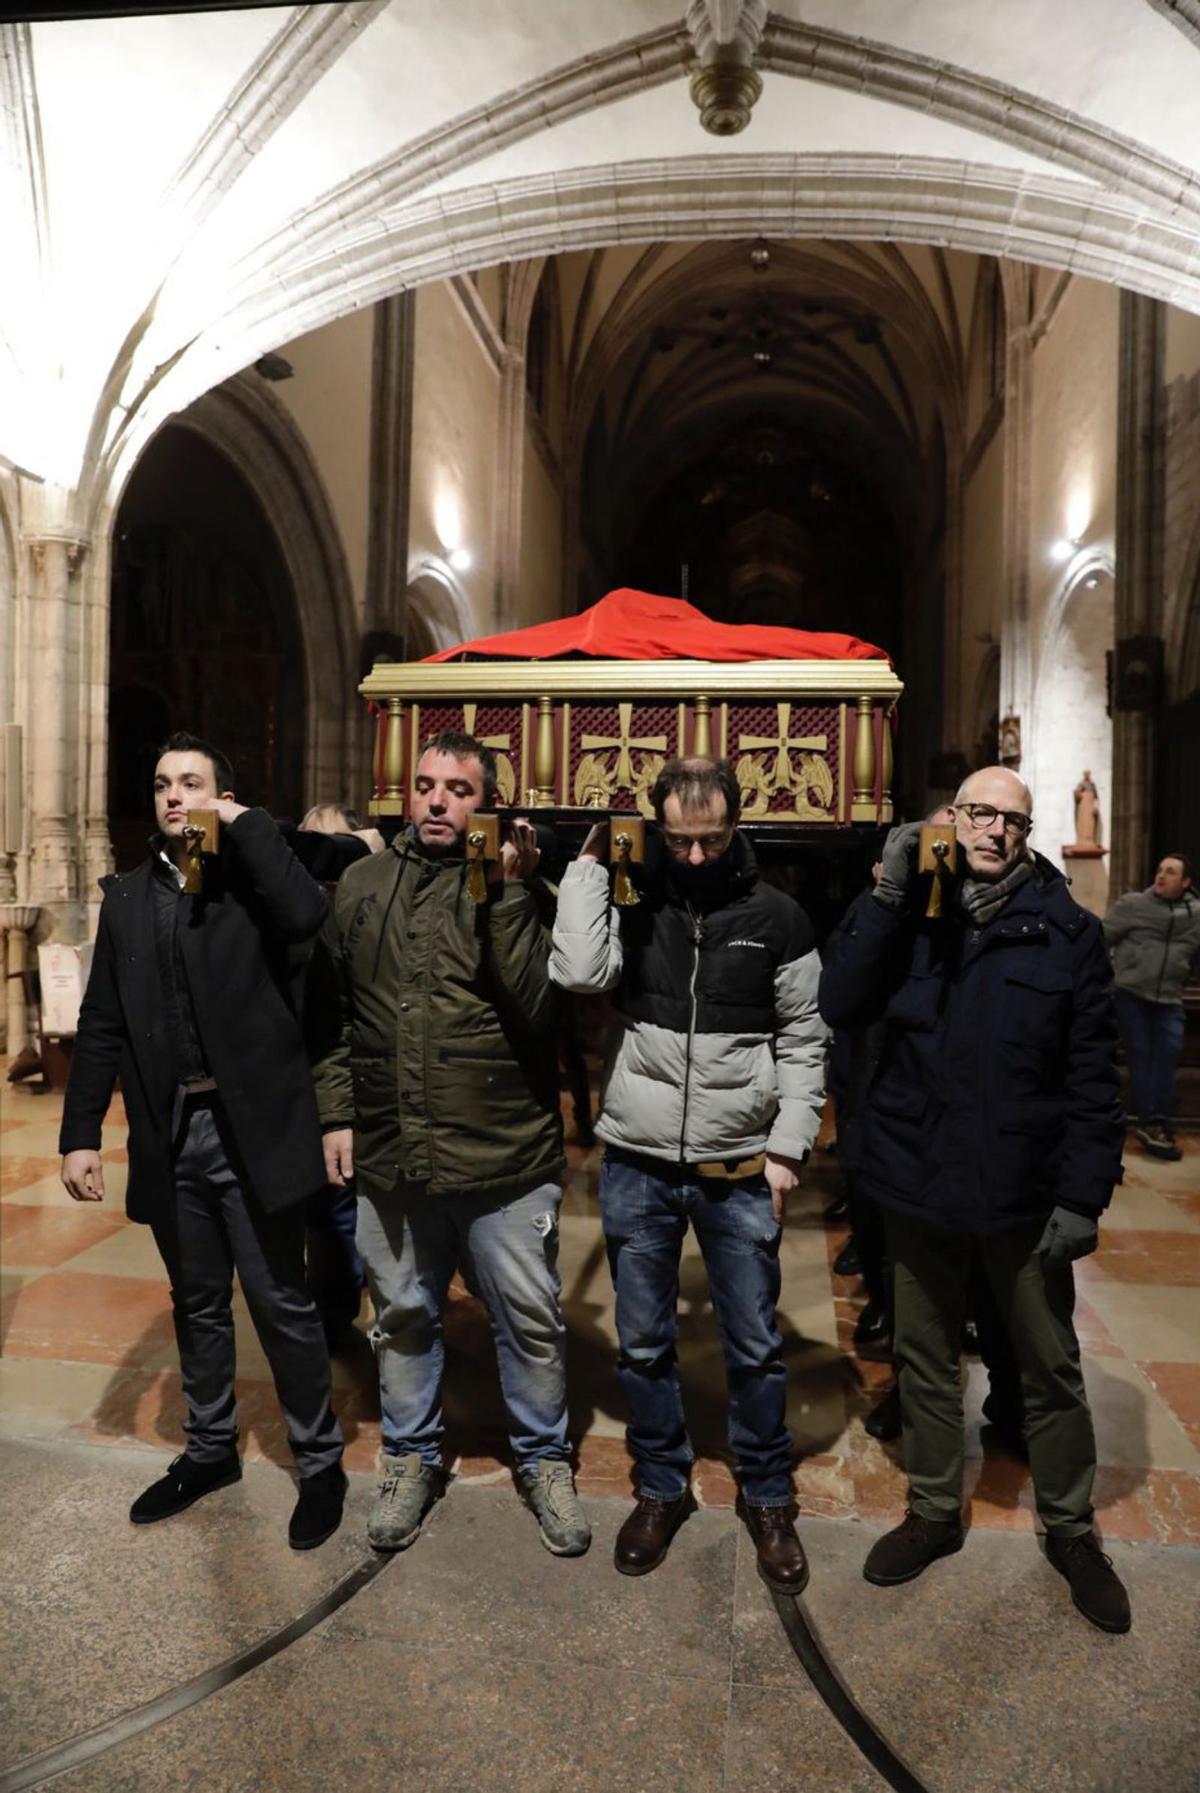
(214, 1226)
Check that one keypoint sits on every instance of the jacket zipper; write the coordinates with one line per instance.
(1162, 970)
(697, 936)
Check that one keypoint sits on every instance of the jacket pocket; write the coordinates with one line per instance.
(1037, 1007)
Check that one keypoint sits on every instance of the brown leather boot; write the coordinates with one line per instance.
(645, 1537)
(781, 1559)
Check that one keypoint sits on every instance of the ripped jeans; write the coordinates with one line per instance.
(411, 1243)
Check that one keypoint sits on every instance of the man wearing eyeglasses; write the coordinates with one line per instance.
(711, 1102)
(991, 1134)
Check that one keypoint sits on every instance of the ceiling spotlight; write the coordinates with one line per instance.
(459, 559)
(1091, 584)
(760, 256)
(762, 359)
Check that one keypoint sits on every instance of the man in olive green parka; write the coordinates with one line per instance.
(437, 1083)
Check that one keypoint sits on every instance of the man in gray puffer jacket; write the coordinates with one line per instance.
(1154, 936)
(712, 1098)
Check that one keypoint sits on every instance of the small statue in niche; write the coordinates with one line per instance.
(1087, 814)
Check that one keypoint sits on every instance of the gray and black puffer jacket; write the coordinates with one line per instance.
(719, 1050)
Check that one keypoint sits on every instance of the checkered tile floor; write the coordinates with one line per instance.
(88, 1350)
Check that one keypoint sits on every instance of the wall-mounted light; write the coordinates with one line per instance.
(1065, 549)
(1091, 584)
(459, 559)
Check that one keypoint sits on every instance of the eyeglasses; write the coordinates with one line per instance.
(984, 815)
(711, 845)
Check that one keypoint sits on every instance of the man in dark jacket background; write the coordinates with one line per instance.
(190, 999)
(1154, 936)
(992, 1130)
(438, 1089)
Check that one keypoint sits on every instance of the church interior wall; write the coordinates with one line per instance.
(329, 396)
(1073, 424)
(539, 584)
(455, 429)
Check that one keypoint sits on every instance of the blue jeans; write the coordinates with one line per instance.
(411, 1244)
(646, 1207)
(1153, 1036)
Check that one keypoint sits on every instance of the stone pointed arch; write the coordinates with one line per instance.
(254, 431)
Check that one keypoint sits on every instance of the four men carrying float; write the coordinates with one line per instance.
(434, 1000)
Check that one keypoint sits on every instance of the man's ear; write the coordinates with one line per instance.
(226, 797)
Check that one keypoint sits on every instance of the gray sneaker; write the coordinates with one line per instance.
(406, 1493)
(550, 1491)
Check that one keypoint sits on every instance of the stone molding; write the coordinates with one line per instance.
(1183, 14)
(304, 49)
(1118, 164)
(20, 118)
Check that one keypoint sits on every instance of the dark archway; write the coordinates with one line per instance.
(204, 634)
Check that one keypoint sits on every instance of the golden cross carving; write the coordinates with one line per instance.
(783, 742)
(470, 711)
(623, 742)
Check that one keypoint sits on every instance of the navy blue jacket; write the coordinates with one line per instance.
(994, 1096)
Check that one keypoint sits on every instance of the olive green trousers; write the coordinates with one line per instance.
(931, 1268)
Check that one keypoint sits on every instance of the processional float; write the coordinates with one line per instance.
(581, 715)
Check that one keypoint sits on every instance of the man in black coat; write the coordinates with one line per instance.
(190, 1000)
(991, 1133)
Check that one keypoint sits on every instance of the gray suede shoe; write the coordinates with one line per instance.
(406, 1493)
(550, 1491)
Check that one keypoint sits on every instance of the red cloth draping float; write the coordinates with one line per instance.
(637, 625)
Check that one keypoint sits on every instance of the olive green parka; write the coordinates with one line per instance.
(433, 1026)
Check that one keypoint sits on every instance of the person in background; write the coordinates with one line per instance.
(1154, 938)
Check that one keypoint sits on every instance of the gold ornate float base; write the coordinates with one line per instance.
(809, 740)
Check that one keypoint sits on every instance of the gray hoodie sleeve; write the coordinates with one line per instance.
(586, 951)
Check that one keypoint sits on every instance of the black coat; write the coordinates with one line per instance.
(239, 943)
(994, 1095)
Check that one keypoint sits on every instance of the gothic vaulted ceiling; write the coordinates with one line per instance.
(181, 193)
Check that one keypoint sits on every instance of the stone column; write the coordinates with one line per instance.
(54, 710)
(510, 482)
(1141, 489)
(391, 462)
(96, 594)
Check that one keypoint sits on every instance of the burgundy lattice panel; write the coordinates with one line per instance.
(497, 725)
(755, 733)
(653, 733)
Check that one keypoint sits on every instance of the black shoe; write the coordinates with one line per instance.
(838, 1209)
(886, 1422)
(970, 1338)
(1096, 1588)
(645, 1537)
(902, 1554)
(872, 1324)
(1159, 1141)
(318, 1512)
(184, 1483)
(847, 1261)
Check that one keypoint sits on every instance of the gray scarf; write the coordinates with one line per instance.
(982, 901)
